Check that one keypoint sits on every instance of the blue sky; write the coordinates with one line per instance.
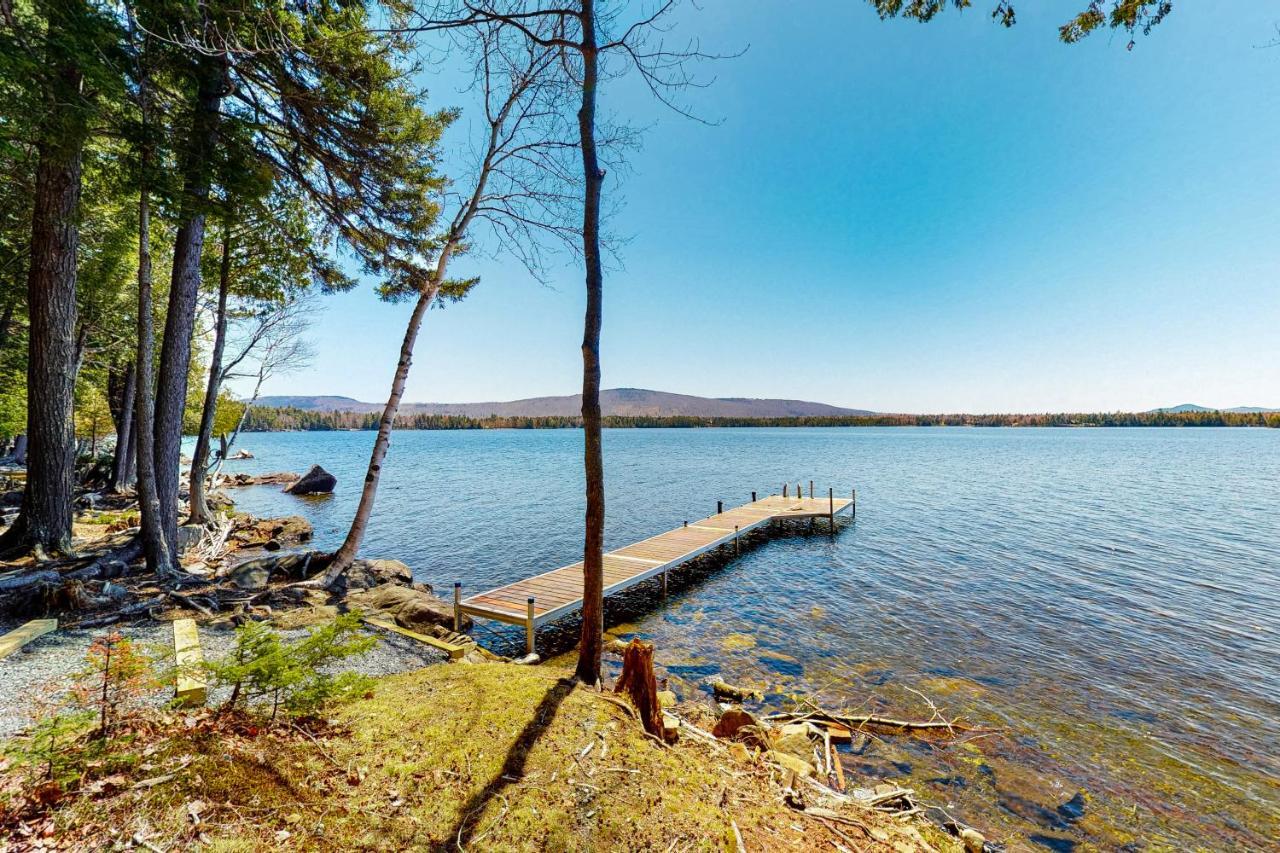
(904, 217)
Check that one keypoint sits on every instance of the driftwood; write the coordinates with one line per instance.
(637, 681)
(724, 690)
(864, 721)
(21, 580)
(124, 612)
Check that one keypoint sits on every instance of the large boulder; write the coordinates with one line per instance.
(253, 575)
(366, 574)
(316, 481)
(407, 607)
(256, 574)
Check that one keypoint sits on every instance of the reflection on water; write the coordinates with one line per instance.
(1109, 598)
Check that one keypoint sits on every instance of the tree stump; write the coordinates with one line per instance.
(638, 682)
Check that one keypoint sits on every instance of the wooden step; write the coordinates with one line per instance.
(191, 688)
(459, 646)
(19, 637)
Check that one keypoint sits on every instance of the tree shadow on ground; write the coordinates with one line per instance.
(512, 770)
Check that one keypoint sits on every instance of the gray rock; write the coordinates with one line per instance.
(253, 575)
(366, 574)
(189, 536)
(316, 481)
(409, 608)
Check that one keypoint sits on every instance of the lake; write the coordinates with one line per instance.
(1108, 598)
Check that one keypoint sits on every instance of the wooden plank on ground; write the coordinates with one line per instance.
(190, 660)
(19, 637)
(453, 650)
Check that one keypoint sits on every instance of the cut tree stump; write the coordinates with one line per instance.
(19, 637)
(191, 689)
(638, 682)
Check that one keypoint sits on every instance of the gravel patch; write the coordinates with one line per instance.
(49, 664)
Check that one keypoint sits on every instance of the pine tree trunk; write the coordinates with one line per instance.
(155, 546)
(200, 458)
(184, 290)
(591, 645)
(351, 545)
(45, 517)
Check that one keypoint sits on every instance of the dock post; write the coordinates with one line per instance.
(457, 607)
(529, 644)
(736, 549)
(784, 490)
(853, 503)
(831, 509)
(753, 497)
(686, 524)
(664, 586)
(719, 507)
(811, 488)
(799, 491)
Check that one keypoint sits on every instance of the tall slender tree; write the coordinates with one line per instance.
(156, 545)
(268, 253)
(66, 49)
(210, 81)
(583, 33)
(522, 205)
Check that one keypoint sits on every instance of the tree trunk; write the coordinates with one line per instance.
(351, 545)
(155, 545)
(121, 465)
(591, 645)
(184, 289)
(45, 517)
(200, 458)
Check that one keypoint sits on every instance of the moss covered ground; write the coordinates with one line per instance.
(475, 757)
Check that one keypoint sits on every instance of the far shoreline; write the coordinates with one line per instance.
(289, 419)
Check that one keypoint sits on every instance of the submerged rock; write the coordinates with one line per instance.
(316, 481)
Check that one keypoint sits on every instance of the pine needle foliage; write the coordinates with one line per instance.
(291, 675)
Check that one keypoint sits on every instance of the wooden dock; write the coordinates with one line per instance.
(543, 598)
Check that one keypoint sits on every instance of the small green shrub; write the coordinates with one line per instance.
(287, 674)
(116, 680)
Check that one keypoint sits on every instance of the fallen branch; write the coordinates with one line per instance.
(857, 721)
(188, 601)
(132, 610)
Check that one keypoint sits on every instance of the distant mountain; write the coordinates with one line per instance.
(1192, 407)
(318, 404)
(615, 401)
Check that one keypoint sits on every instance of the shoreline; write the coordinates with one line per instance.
(267, 419)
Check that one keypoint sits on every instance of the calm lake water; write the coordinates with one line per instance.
(1109, 599)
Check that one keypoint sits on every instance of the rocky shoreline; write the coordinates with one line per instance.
(239, 569)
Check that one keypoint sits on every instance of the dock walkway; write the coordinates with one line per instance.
(543, 598)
